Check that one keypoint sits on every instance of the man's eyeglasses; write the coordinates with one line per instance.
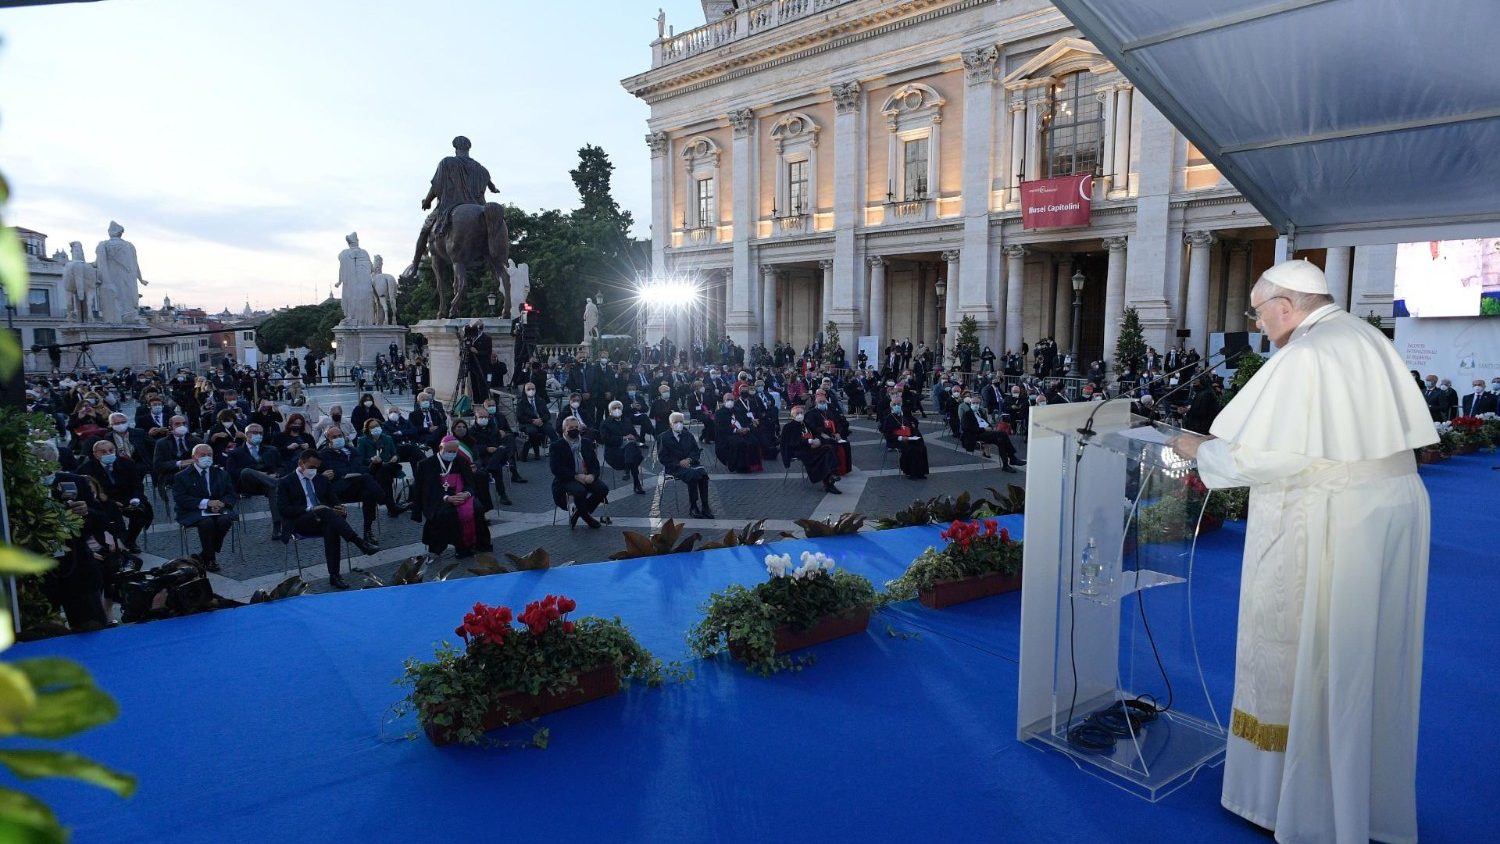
(1254, 313)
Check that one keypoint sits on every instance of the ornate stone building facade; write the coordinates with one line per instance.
(861, 161)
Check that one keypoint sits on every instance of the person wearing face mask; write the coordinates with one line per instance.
(309, 506)
(364, 412)
(353, 479)
(975, 431)
(122, 481)
(575, 472)
(622, 445)
(267, 416)
(376, 449)
(254, 469)
(833, 429)
(427, 423)
(572, 410)
(663, 406)
(799, 441)
(204, 499)
(494, 447)
(130, 442)
(903, 434)
(152, 415)
(1018, 409)
(534, 419)
(334, 419)
(225, 434)
(174, 452)
(733, 442)
(765, 434)
(294, 439)
(679, 453)
(1481, 400)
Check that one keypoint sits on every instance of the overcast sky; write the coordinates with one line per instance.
(238, 142)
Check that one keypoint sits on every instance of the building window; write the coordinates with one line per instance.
(249, 336)
(1073, 128)
(39, 303)
(914, 169)
(796, 175)
(43, 336)
(705, 202)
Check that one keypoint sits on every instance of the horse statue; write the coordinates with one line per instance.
(476, 235)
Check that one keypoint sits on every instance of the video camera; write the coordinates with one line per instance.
(175, 588)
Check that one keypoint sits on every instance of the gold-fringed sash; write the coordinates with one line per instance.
(1269, 737)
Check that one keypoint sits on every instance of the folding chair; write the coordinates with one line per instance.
(291, 545)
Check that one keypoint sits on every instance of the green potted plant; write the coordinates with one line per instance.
(979, 560)
(1469, 435)
(793, 609)
(506, 674)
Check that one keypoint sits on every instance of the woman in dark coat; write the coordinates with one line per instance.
(452, 510)
(365, 411)
(903, 434)
(622, 447)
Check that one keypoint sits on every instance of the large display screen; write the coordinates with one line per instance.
(1448, 278)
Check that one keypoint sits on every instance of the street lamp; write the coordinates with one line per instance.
(491, 299)
(942, 291)
(1078, 281)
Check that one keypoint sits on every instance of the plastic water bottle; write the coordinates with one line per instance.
(1089, 570)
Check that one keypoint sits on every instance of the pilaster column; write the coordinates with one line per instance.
(825, 276)
(950, 305)
(1121, 180)
(1336, 268)
(1237, 287)
(766, 319)
(1036, 103)
(1197, 295)
(844, 288)
(743, 326)
(1017, 149)
(1114, 295)
(1062, 311)
(1014, 305)
(661, 198)
(979, 131)
(877, 300)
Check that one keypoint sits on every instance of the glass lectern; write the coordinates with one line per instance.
(1110, 674)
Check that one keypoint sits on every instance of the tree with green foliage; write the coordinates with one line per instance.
(1130, 346)
(1246, 366)
(967, 339)
(306, 325)
(830, 342)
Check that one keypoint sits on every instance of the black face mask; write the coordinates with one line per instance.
(573, 434)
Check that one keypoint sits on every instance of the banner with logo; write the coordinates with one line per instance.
(1457, 348)
(1057, 203)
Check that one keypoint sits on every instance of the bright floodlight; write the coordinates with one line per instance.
(667, 294)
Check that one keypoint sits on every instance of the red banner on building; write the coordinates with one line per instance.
(1057, 203)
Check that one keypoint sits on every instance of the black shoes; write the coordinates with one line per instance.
(337, 582)
(639, 490)
(504, 499)
(589, 520)
(516, 478)
(397, 510)
(831, 487)
(573, 518)
(706, 513)
(367, 547)
(1008, 469)
(1016, 461)
(210, 565)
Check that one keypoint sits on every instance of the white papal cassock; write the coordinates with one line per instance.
(1328, 658)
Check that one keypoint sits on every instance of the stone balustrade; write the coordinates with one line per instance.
(746, 22)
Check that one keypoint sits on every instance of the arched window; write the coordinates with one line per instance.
(1073, 127)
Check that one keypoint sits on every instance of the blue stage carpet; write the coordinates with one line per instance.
(269, 723)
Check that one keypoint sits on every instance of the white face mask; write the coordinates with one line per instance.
(369, 403)
(120, 428)
(338, 442)
(530, 392)
(394, 417)
(206, 461)
(573, 404)
(180, 430)
(482, 421)
(376, 431)
(676, 427)
(617, 413)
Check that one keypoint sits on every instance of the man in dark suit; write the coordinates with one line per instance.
(353, 481)
(308, 505)
(174, 452)
(679, 454)
(427, 424)
(533, 418)
(254, 469)
(477, 364)
(575, 472)
(123, 482)
(130, 441)
(1482, 400)
(205, 499)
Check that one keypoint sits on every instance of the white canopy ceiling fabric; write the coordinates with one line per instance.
(1342, 121)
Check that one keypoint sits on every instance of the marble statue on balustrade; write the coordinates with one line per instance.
(384, 286)
(80, 281)
(119, 270)
(520, 284)
(590, 321)
(356, 279)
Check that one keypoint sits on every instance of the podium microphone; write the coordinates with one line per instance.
(1087, 431)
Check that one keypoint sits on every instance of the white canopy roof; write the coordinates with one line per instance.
(1342, 121)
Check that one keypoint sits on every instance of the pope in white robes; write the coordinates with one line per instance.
(1323, 732)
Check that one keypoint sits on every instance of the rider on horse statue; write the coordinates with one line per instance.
(459, 180)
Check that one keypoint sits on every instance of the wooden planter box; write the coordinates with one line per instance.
(1468, 448)
(949, 592)
(827, 629)
(1209, 523)
(1431, 455)
(515, 707)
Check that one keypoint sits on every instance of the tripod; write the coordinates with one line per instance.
(85, 356)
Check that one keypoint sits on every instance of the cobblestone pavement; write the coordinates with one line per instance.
(253, 561)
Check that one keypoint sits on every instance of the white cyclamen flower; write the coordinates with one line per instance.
(777, 564)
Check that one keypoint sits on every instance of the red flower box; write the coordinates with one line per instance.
(513, 707)
(949, 592)
(827, 629)
(1431, 455)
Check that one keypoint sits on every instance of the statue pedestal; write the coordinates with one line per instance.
(358, 345)
(134, 354)
(443, 351)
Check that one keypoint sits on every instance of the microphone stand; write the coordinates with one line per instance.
(1087, 431)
